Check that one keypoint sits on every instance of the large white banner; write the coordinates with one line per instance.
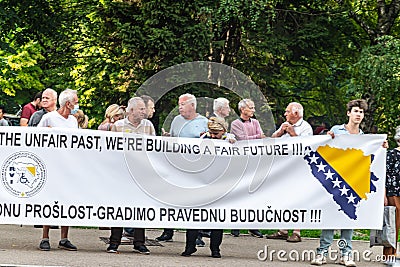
(95, 178)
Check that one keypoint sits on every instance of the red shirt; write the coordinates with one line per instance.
(28, 110)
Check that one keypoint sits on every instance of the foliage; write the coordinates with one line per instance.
(377, 79)
(20, 74)
(294, 50)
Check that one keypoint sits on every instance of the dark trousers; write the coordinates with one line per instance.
(138, 236)
(215, 239)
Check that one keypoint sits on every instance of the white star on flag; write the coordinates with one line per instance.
(313, 159)
(344, 190)
(307, 151)
(329, 174)
(321, 167)
(351, 198)
(336, 183)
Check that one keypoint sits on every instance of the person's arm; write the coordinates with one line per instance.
(152, 131)
(25, 115)
(281, 131)
(23, 122)
(259, 133)
(390, 175)
(237, 128)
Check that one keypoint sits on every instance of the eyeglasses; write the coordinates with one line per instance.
(251, 107)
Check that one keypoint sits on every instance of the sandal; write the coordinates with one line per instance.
(278, 235)
(294, 238)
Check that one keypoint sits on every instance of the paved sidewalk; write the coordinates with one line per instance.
(19, 247)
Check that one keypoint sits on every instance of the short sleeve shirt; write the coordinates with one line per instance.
(181, 127)
(54, 119)
(28, 110)
(145, 127)
(341, 129)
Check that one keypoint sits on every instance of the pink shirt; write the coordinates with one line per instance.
(245, 130)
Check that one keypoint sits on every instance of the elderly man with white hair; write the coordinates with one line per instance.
(188, 124)
(61, 118)
(247, 128)
(134, 122)
(49, 104)
(221, 107)
(293, 126)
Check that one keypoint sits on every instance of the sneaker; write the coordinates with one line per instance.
(347, 261)
(142, 249)
(235, 233)
(112, 248)
(319, 260)
(127, 234)
(44, 245)
(256, 233)
(215, 254)
(164, 238)
(188, 252)
(200, 242)
(67, 245)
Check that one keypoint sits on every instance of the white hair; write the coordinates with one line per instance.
(190, 99)
(297, 107)
(244, 102)
(52, 92)
(66, 95)
(132, 103)
(219, 103)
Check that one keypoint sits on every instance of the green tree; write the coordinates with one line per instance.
(377, 78)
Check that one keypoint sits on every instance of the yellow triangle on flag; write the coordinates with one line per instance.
(32, 170)
(352, 165)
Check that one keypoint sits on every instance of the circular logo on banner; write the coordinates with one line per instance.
(23, 174)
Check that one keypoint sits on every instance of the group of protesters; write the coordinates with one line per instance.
(136, 118)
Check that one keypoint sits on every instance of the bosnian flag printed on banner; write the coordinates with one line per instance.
(344, 173)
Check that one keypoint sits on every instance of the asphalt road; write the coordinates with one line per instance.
(19, 247)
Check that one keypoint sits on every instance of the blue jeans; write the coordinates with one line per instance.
(129, 230)
(326, 239)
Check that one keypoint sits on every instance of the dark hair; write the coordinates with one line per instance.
(146, 99)
(37, 95)
(360, 103)
(3, 109)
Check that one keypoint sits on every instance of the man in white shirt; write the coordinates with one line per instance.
(62, 118)
(293, 126)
